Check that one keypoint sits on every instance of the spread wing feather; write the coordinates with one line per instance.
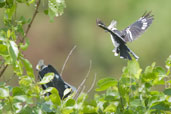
(133, 31)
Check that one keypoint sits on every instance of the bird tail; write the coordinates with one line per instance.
(125, 52)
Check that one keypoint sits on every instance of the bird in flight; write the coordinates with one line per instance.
(57, 82)
(129, 34)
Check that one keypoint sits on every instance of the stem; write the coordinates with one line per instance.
(3, 70)
(92, 85)
(29, 25)
(121, 100)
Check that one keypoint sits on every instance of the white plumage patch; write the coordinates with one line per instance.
(112, 25)
(129, 32)
(56, 76)
(66, 86)
(144, 22)
(114, 51)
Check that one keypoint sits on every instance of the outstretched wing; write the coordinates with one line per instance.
(109, 29)
(136, 29)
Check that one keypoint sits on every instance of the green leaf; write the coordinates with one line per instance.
(28, 67)
(160, 71)
(25, 81)
(70, 102)
(4, 92)
(110, 108)
(25, 46)
(10, 11)
(132, 69)
(17, 91)
(46, 12)
(161, 106)
(105, 83)
(13, 51)
(149, 74)
(18, 68)
(168, 62)
(46, 107)
(136, 102)
(23, 98)
(3, 50)
(167, 91)
(47, 78)
(8, 33)
(89, 109)
(55, 8)
(55, 98)
(18, 106)
(26, 110)
(2, 5)
(49, 89)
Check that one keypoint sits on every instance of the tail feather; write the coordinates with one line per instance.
(125, 52)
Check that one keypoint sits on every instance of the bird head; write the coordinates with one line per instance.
(100, 23)
(40, 65)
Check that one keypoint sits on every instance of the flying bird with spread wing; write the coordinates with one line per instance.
(129, 34)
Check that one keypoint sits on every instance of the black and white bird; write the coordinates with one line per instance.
(57, 82)
(129, 34)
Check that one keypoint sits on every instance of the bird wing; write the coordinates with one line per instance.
(136, 29)
(113, 33)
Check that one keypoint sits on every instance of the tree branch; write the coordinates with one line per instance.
(63, 67)
(29, 25)
(3, 70)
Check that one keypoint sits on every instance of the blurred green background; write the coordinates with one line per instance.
(77, 26)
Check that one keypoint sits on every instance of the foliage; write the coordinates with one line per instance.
(134, 93)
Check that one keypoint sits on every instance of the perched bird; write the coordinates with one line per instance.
(129, 34)
(57, 82)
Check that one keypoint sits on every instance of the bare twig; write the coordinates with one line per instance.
(3, 70)
(82, 83)
(29, 25)
(63, 67)
(83, 89)
(92, 85)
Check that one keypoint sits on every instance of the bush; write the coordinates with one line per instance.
(135, 92)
